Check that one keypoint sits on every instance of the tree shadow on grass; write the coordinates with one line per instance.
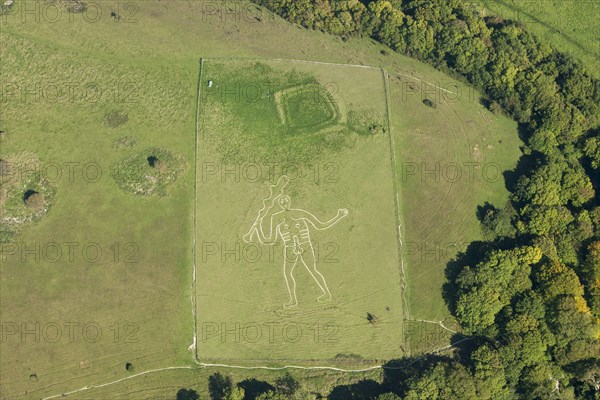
(471, 256)
(187, 394)
(365, 389)
(525, 165)
(474, 254)
(219, 386)
(254, 388)
(397, 374)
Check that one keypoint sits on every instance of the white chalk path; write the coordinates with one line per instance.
(336, 65)
(440, 323)
(207, 365)
(115, 381)
(397, 209)
(260, 367)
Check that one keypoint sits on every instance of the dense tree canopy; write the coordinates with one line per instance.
(534, 294)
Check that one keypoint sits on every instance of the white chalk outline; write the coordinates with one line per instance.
(276, 196)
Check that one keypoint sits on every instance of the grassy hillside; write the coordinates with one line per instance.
(333, 162)
(450, 160)
(570, 26)
(67, 83)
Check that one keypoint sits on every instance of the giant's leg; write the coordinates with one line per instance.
(308, 259)
(288, 273)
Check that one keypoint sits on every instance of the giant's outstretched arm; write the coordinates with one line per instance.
(342, 212)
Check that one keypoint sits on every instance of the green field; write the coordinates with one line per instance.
(89, 277)
(153, 64)
(450, 160)
(247, 144)
(570, 26)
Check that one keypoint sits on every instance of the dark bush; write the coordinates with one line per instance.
(187, 394)
(34, 200)
(429, 103)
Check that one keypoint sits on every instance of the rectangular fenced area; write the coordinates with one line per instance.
(297, 257)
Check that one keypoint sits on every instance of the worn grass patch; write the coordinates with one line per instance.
(148, 173)
(365, 122)
(26, 194)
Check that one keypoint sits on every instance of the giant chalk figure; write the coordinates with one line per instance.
(292, 225)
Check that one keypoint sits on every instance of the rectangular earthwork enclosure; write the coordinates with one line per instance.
(296, 236)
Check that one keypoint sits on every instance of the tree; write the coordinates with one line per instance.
(384, 23)
(543, 221)
(443, 381)
(286, 384)
(498, 222)
(555, 279)
(187, 394)
(524, 346)
(588, 372)
(591, 276)
(538, 382)
(544, 141)
(490, 381)
(389, 396)
(570, 320)
(220, 387)
(484, 290)
(272, 395)
(592, 151)
(237, 393)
